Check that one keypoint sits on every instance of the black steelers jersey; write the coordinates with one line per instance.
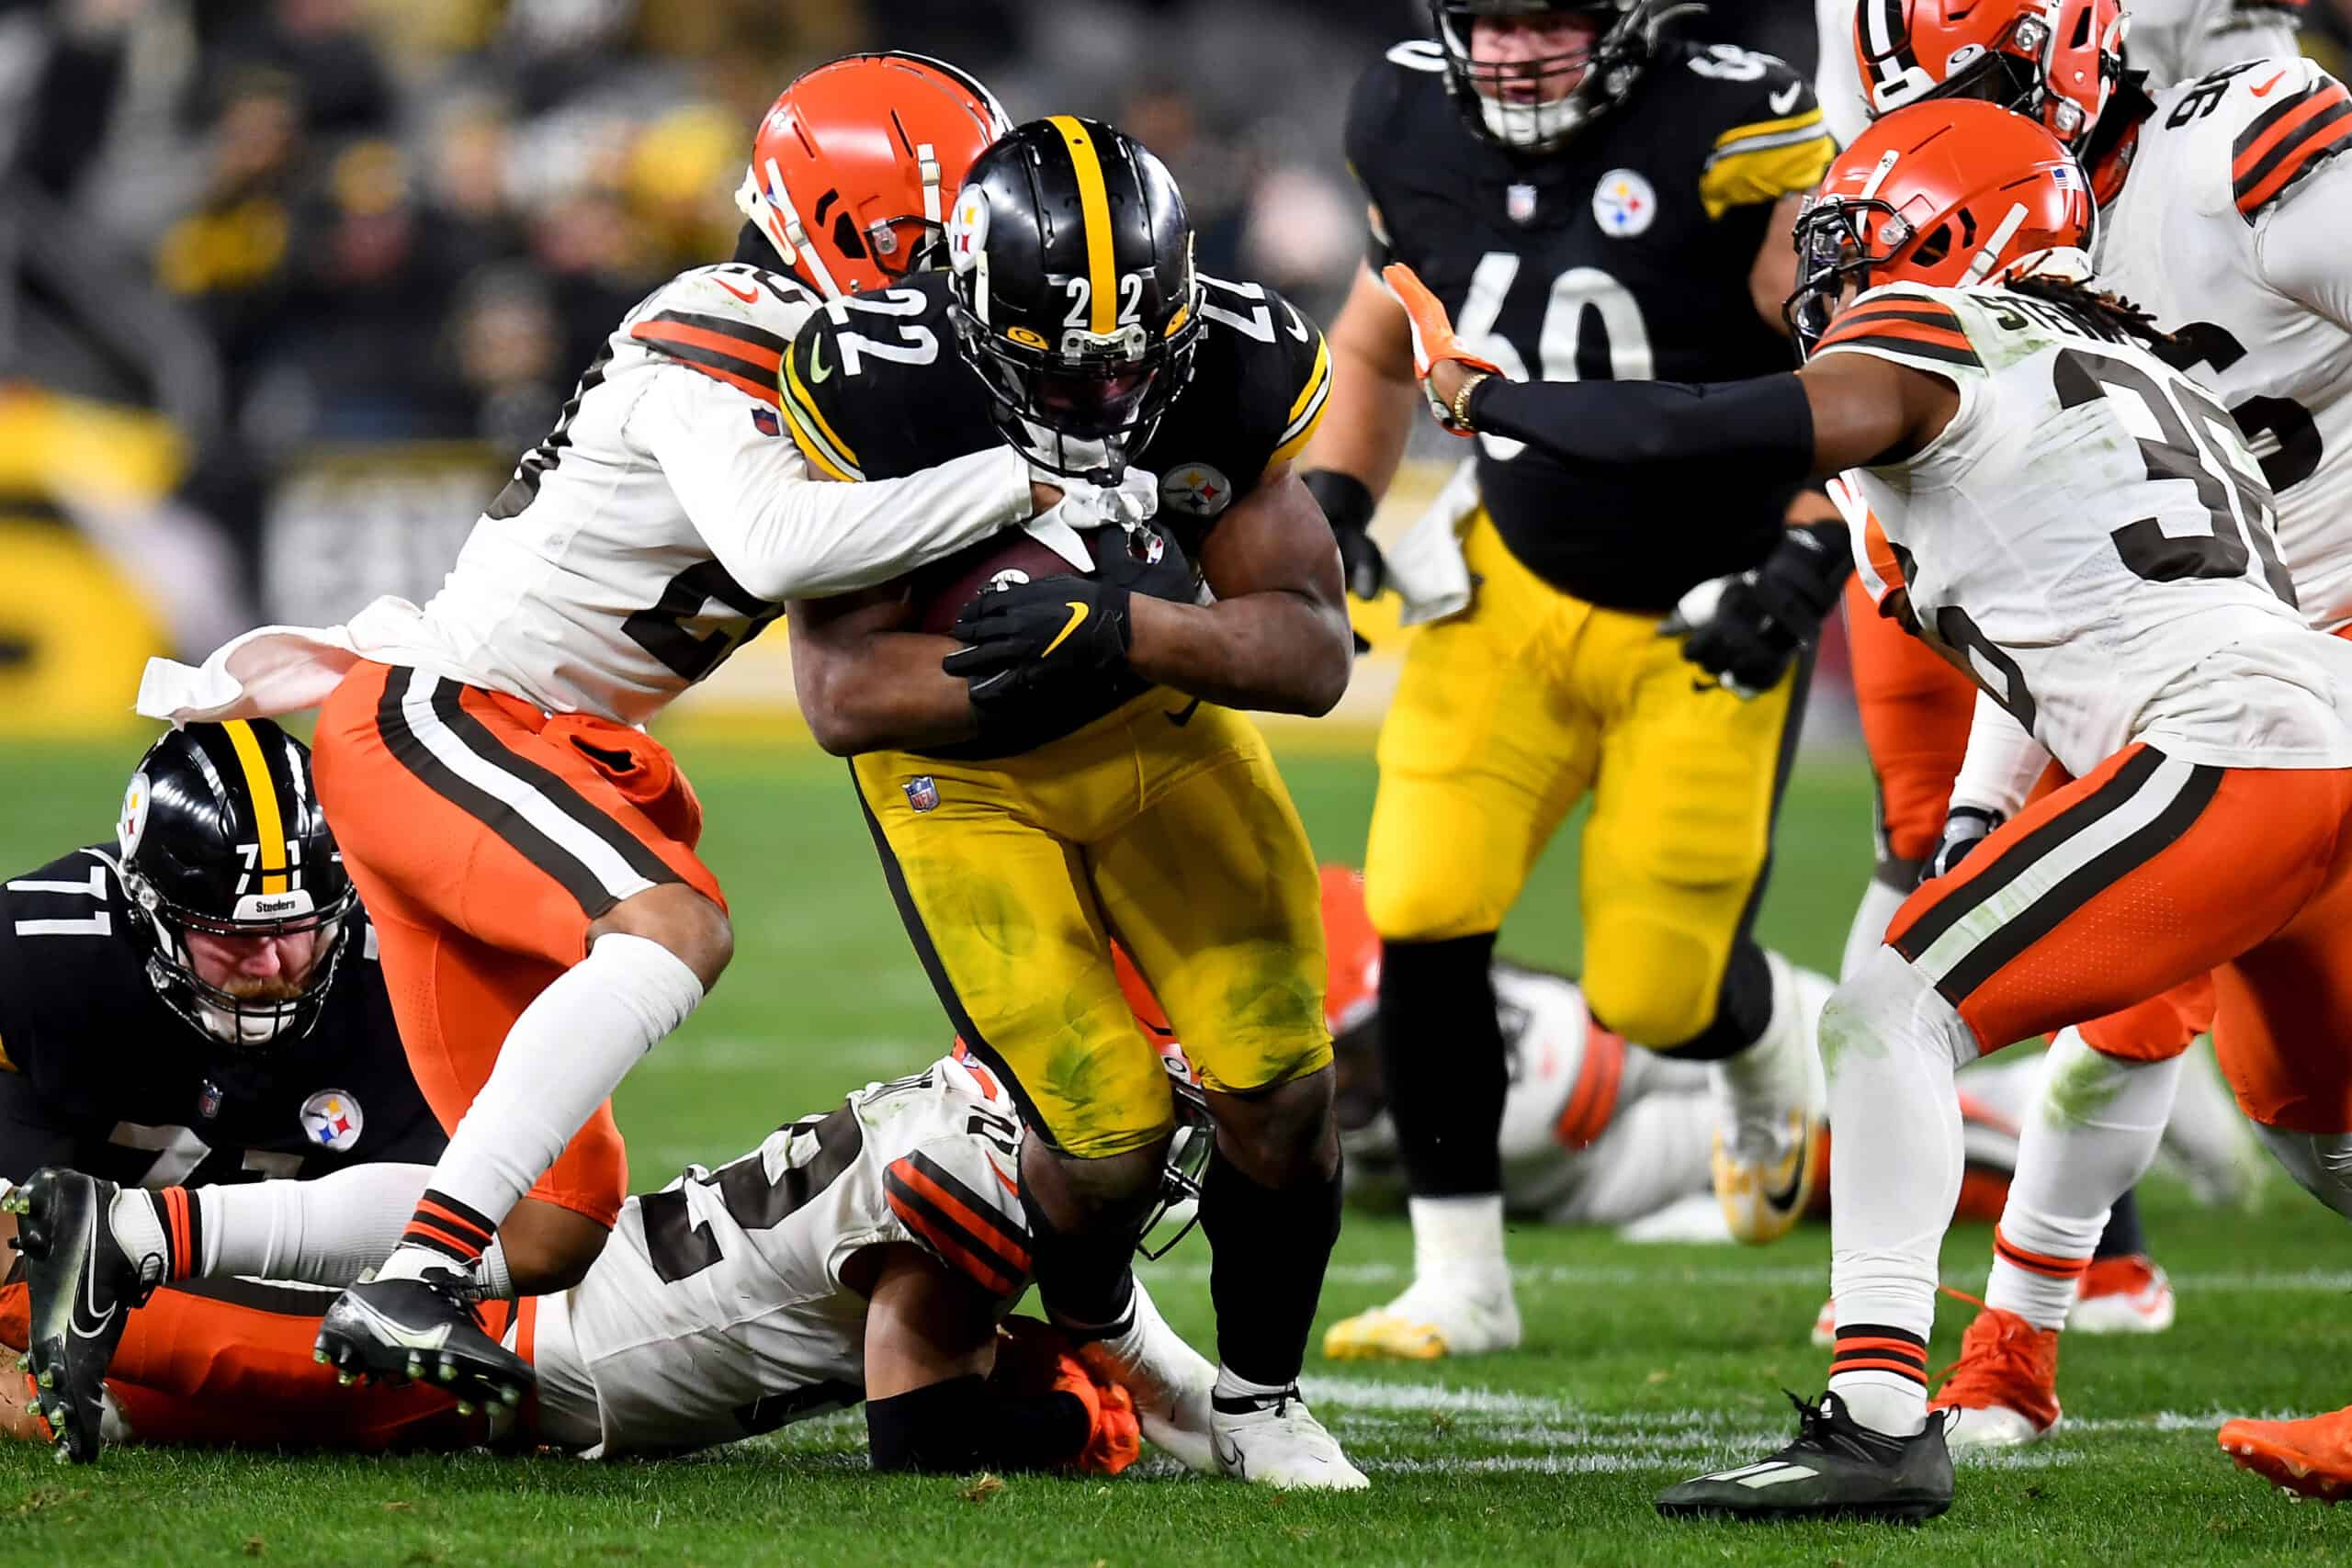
(875, 388)
(1624, 256)
(97, 1073)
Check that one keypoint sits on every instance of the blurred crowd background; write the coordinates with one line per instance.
(285, 285)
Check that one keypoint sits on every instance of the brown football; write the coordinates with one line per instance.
(940, 590)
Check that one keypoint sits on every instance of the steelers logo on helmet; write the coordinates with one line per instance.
(967, 233)
(1624, 204)
(332, 1120)
(132, 826)
(1196, 490)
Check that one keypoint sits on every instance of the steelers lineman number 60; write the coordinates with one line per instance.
(1593, 330)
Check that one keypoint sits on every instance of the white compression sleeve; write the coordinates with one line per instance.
(2002, 763)
(785, 534)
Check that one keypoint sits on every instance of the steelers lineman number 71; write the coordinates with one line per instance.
(1584, 299)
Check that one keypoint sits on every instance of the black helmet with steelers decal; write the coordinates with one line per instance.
(1071, 263)
(221, 836)
(1512, 103)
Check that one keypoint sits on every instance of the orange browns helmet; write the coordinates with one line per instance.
(1351, 986)
(857, 162)
(2055, 60)
(1947, 193)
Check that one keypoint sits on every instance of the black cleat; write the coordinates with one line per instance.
(83, 1286)
(422, 1331)
(1838, 1467)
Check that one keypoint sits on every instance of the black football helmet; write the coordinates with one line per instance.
(222, 833)
(1071, 263)
(1484, 93)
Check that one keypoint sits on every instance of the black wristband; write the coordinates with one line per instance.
(1347, 502)
(963, 1424)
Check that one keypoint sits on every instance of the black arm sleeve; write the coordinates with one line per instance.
(963, 1424)
(1761, 427)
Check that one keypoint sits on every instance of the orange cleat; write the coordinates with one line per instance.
(2311, 1458)
(2005, 1385)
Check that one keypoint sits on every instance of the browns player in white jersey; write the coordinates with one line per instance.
(867, 1255)
(544, 918)
(2083, 529)
(2226, 215)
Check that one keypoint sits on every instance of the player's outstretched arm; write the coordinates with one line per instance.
(931, 1340)
(1353, 459)
(864, 686)
(782, 532)
(1277, 638)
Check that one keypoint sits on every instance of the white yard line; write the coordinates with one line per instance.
(2290, 1282)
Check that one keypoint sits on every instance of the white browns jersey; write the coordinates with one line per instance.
(2227, 233)
(2091, 535)
(658, 526)
(718, 1309)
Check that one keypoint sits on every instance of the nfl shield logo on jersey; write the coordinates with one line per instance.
(1519, 201)
(923, 794)
(1196, 490)
(330, 1119)
(1623, 204)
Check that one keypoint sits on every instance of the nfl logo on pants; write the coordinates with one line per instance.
(922, 793)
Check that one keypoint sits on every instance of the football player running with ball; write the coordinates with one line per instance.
(1075, 771)
(2225, 212)
(526, 849)
(2081, 525)
(1593, 200)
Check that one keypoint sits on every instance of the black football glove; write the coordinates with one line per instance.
(1065, 631)
(1348, 506)
(1764, 617)
(1965, 827)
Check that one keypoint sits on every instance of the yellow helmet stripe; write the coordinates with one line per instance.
(267, 823)
(1094, 207)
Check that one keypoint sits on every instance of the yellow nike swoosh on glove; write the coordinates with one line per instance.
(1077, 618)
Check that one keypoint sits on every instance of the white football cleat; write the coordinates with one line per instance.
(1433, 1318)
(2122, 1295)
(1170, 1381)
(1276, 1441)
(1768, 1152)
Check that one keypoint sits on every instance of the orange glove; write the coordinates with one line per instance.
(1033, 1357)
(1433, 339)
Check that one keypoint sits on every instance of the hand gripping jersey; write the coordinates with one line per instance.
(2092, 536)
(2228, 234)
(646, 539)
(718, 1310)
(875, 388)
(97, 1072)
(1625, 256)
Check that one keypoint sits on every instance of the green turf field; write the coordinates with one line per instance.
(1646, 1364)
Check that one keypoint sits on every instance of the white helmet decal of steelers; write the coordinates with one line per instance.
(332, 1120)
(132, 826)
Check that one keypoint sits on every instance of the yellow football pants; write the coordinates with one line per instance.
(1163, 825)
(1507, 716)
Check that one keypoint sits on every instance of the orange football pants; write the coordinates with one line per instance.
(2148, 875)
(485, 838)
(231, 1365)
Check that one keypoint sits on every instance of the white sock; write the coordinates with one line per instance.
(2090, 1134)
(566, 1053)
(1230, 1385)
(1780, 1069)
(320, 1232)
(1459, 1240)
(1872, 917)
(1892, 1044)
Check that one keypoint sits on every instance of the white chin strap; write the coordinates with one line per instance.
(1049, 446)
(1532, 126)
(242, 1029)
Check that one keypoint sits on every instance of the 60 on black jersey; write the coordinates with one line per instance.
(1626, 254)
